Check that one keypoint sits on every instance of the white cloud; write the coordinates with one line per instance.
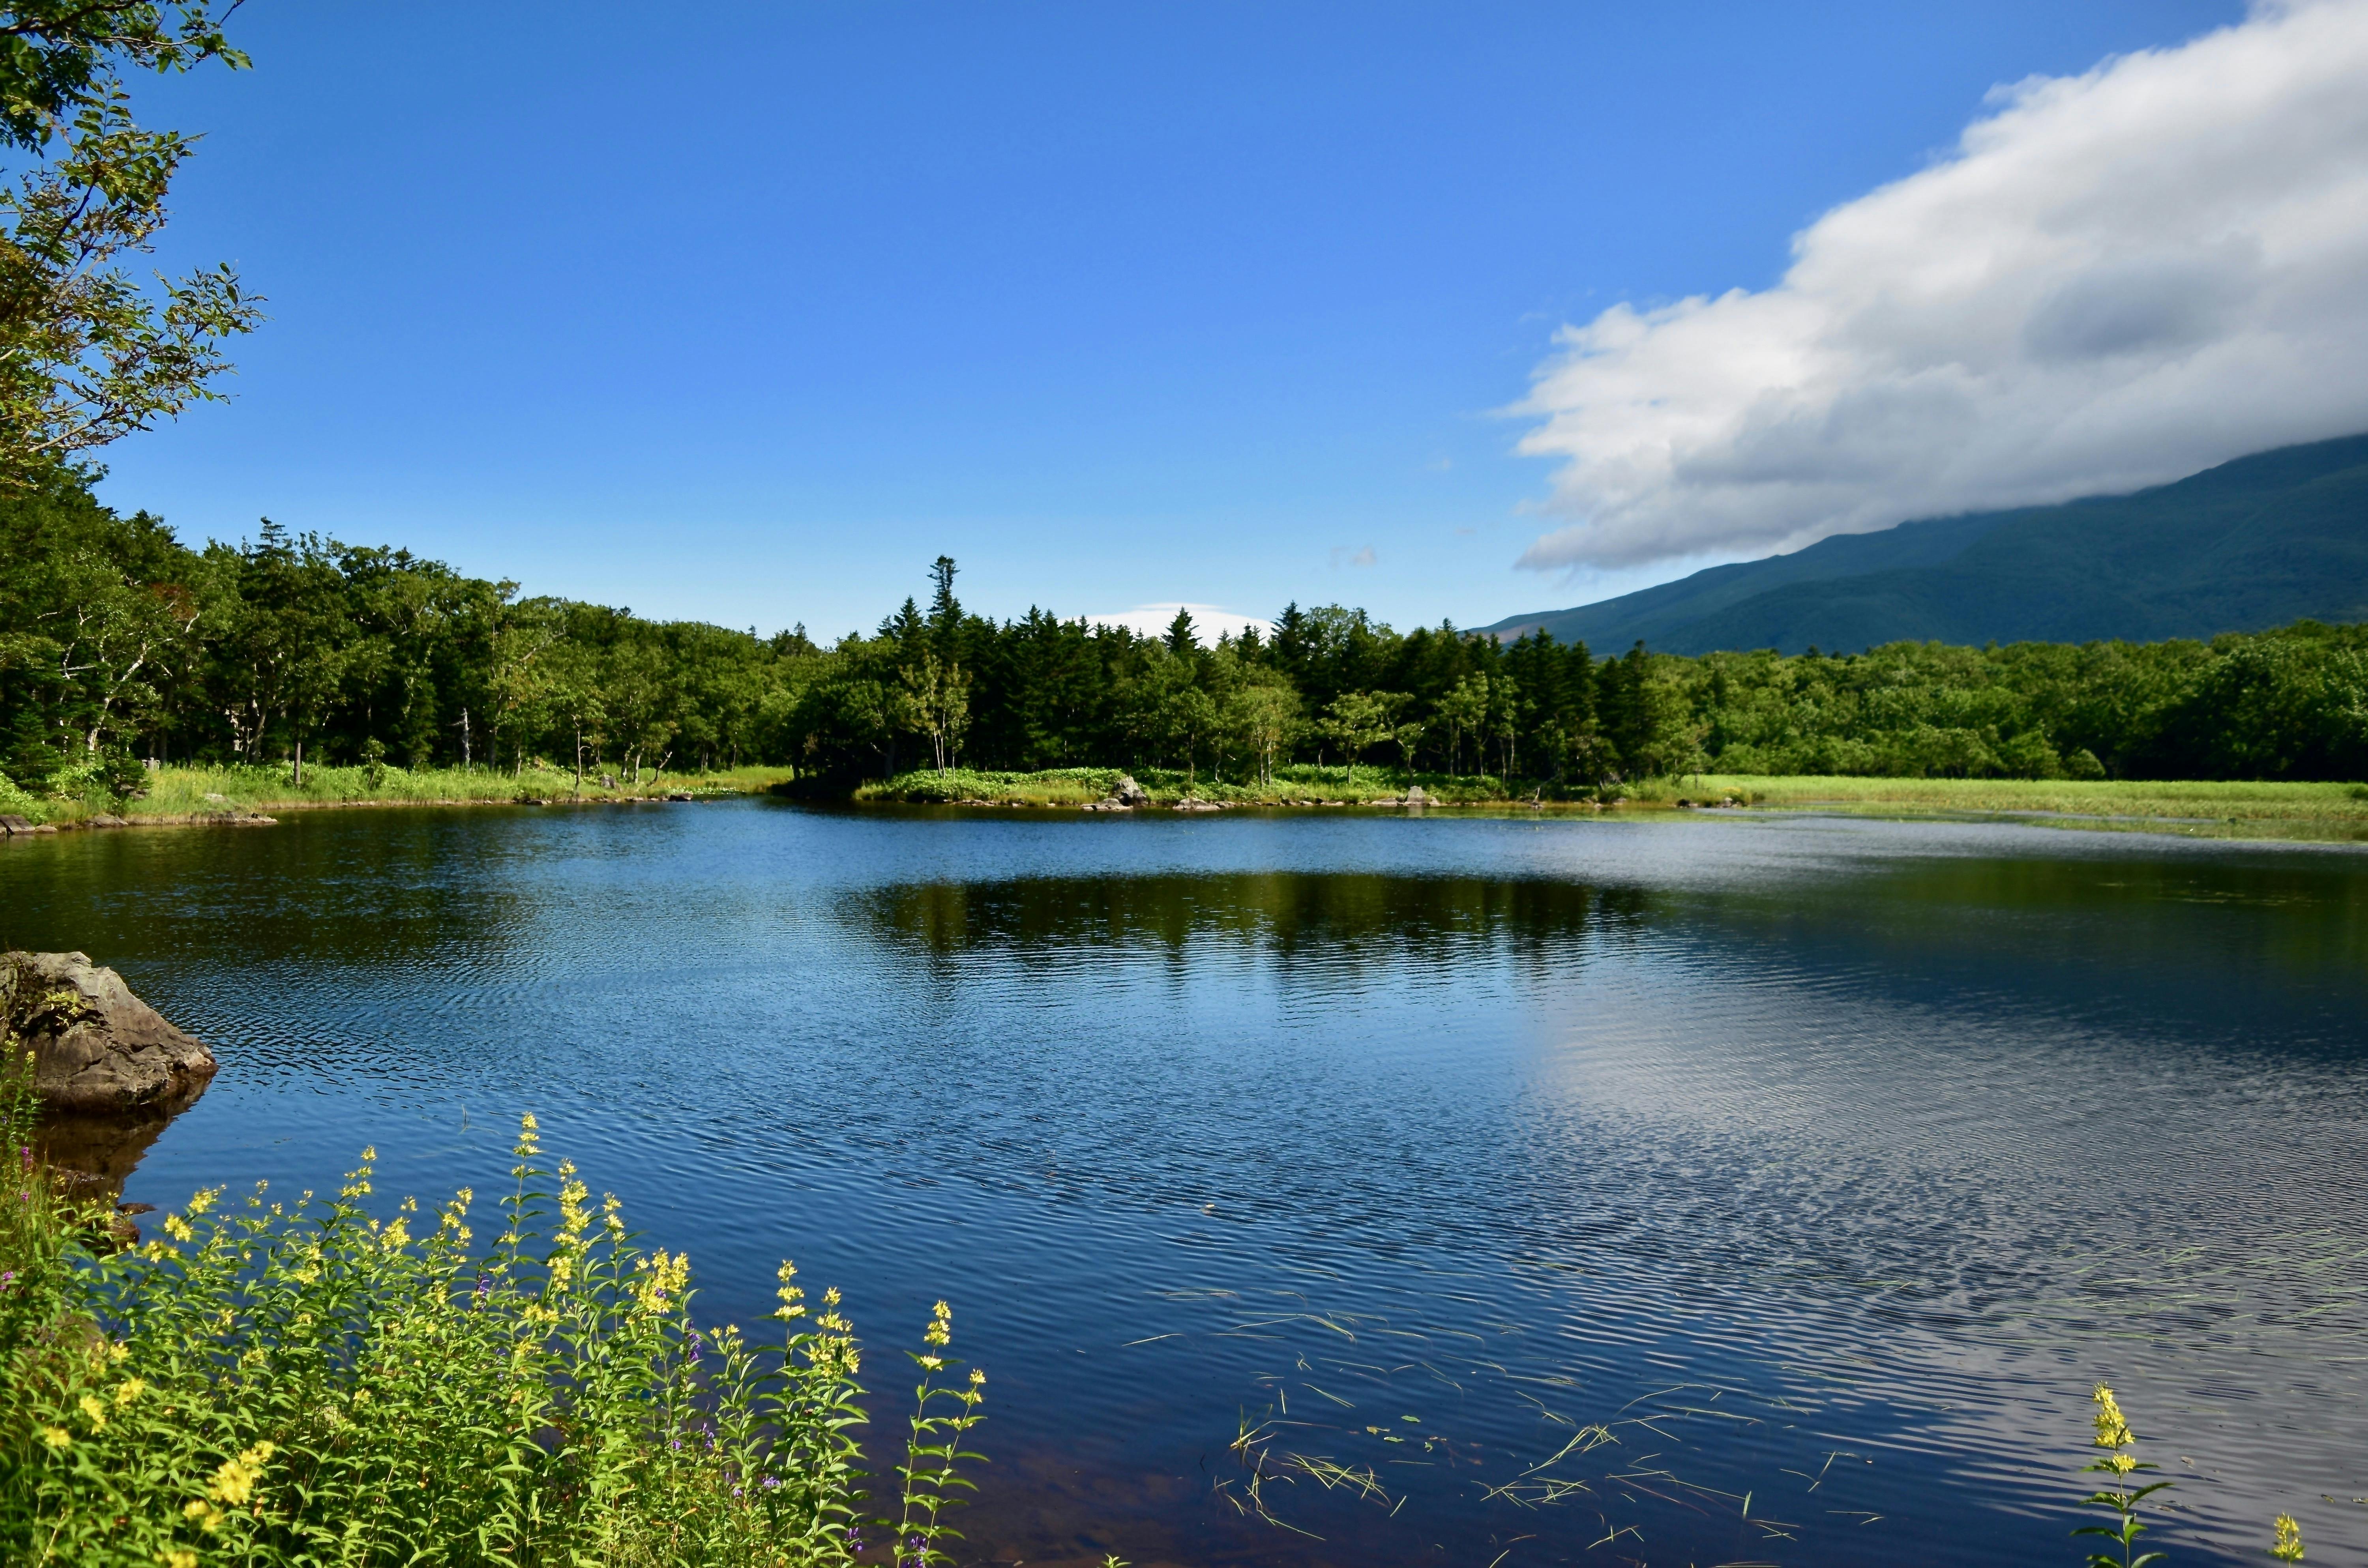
(2114, 280)
(1209, 622)
(1361, 556)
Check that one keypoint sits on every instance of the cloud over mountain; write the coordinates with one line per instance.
(2114, 279)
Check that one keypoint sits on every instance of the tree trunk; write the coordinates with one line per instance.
(299, 765)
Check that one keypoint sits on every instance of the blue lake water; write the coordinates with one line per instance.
(1819, 1166)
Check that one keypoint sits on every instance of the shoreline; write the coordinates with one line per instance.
(2320, 812)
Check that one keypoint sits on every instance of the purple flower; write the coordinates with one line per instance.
(773, 1483)
(484, 1287)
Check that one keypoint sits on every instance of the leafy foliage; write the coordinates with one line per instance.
(88, 353)
(313, 1384)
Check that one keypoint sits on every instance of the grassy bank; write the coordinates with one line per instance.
(2204, 808)
(174, 792)
(1298, 784)
(2208, 808)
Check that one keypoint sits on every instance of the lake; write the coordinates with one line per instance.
(1702, 1188)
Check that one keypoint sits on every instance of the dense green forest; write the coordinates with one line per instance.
(119, 644)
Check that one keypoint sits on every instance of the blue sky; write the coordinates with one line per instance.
(749, 317)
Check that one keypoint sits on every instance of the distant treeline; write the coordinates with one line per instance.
(119, 644)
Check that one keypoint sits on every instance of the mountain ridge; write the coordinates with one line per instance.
(2258, 542)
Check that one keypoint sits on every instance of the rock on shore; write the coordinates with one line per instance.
(97, 1049)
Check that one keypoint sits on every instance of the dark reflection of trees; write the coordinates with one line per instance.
(1290, 916)
(370, 887)
(2303, 916)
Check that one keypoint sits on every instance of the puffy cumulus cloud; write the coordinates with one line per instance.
(1209, 621)
(2114, 279)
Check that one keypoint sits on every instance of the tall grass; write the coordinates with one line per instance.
(1293, 784)
(2243, 809)
(2215, 801)
(197, 792)
(310, 1384)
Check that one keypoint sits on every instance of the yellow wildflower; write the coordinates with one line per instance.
(572, 1216)
(178, 1228)
(130, 1389)
(93, 1411)
(940, 1329)
(665, 1277)
(2287, 1547)
(118, 1351)
(2112, 1432)
(57, 1437)
(177, 1557)
(234, 1481)
(203, 1199)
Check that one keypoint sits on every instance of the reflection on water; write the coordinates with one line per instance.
(1296, 921)
(1677, 1191)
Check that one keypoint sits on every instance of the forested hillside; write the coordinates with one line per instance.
(2267, 539)
(119, 644)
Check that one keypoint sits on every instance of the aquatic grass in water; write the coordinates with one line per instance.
(317, 1385)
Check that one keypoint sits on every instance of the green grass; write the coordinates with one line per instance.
(187, 792)
(1293, 784)
(2204, 808)
(2210, 807)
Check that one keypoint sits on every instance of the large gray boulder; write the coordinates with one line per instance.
(97, 1049)
(1127, 792)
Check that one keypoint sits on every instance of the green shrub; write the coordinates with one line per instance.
(313, 1384)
